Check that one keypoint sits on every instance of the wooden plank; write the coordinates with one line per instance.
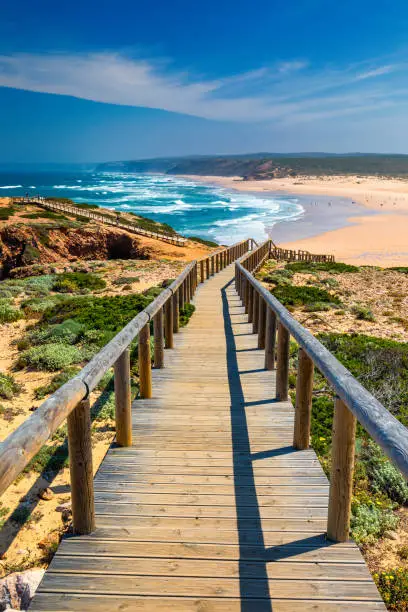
(146, 566)
(208, 587)
(322, 552)
(47, 602)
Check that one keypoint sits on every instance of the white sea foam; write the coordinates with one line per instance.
(10, 186)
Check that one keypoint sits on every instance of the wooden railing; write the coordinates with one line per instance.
(299, 255)
(71, 401)
(56, 205)
(353, 402)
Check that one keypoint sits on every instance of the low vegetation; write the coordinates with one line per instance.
(330, 266)
(9, 387)
(209, 243)
(291, 295)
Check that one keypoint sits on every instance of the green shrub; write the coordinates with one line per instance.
(322, 423)
(186, 313)
(46, 214)
(70, 282)
(9, 387)
(109, 313)
(38, 305)
(126, 280)
(209, 243)
(49, 460)
(302, 295)
(380, 365)
(363, 313)
(8, 313)
(402, 269)
(67, 332)
(332, 267)
(318, 307)
(49, 357)
(393, 586)
(56, 382)
(383, 476)
(5, 294)
(368, 523)
(6, 212)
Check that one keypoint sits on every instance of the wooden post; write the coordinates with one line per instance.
(80, 465)
(176, 313)
(246, 295)
(207, 267)
(282, 372)
(202, 270)
(341, 478)
(181, 296)
(303, 410)
(250, 303)
(212, 265)
(145, 364)
(158, 339)
(270, 339)
(168, 324)
(261, 323)
(255, 311)
(123, 407)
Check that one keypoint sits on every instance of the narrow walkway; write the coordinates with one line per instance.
(211, 510)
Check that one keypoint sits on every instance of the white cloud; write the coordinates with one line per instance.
(287, 91)
(370, 74)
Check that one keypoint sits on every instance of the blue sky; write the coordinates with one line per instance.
(94, 81)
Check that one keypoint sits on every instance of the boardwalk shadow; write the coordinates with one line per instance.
(243, 473)
(253, 585)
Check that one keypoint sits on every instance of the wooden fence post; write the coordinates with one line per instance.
(303, 409)
(158, 339)
(261, 322)
(181, 296)
(246, 295)
(270, 339)
(212, 265)
(250, 303)
(176, 313)
(202, 270)
(255, 311)
(145, 364)
(168, 324)
(282, 371)
(123, 402)
(341, 478)
(80, 465)
(207, 267)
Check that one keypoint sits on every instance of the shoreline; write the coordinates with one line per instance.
(374, 232)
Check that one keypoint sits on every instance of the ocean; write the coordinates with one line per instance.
(192, 208)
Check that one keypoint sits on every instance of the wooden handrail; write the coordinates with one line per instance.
(384, 428)
(71, 401)
(98, 216)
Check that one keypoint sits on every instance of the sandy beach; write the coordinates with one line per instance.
(368, 239)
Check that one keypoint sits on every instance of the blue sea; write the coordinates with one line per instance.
(192, 208)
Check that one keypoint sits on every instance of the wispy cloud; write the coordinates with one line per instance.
(287, 91)
(376, 72)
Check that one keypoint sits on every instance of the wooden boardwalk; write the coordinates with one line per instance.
(211, 510)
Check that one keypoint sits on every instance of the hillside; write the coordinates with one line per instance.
(31, 237)
(265, 166)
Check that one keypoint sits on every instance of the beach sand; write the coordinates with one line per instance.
(368, 239)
